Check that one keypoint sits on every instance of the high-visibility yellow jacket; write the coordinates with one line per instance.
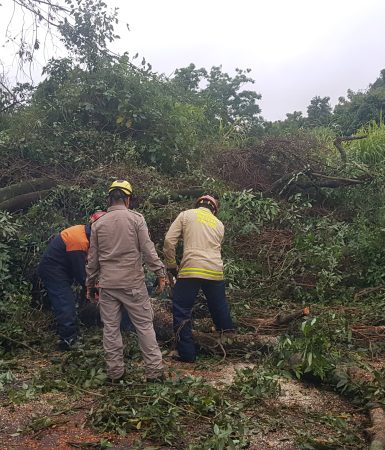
(202, 234)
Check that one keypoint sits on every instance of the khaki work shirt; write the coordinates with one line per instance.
(202, 235)
(119, 245)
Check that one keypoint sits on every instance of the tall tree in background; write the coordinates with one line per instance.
(319, 112)
(361, 107)
(223, 95)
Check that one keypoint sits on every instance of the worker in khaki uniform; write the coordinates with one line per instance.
(201, 268)
(119, 246)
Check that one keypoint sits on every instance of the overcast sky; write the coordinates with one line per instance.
(296, 48)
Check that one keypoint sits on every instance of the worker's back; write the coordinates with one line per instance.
(64, 258)
(202, 235)
(121, 238)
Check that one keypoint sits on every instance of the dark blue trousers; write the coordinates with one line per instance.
(62, 299)
(185, 293)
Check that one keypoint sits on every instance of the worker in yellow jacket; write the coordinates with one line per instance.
(201, 268)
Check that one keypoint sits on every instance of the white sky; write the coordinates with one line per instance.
(296, 48)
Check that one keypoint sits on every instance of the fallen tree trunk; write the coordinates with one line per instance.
(377, 431)
(213, 342)
(294, 182)
(23, 201)
(193, 192)
(231, 343)
(269, 325)
(26, 187)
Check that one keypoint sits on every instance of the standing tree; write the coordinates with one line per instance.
(319, 112)
(361, 107)
(223, 95)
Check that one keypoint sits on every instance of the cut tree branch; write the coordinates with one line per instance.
(338, 144)
(377, 431)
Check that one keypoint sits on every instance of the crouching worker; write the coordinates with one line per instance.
(62, 264)
(201, 268)
(119, 244)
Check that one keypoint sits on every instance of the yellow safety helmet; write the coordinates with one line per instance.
(122, 185)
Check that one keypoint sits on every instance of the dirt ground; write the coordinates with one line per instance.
(299, 408)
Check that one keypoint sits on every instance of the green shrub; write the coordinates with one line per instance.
(245, 211)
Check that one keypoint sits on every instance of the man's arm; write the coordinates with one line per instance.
(92, 267)
(78, 265)
(147, 248)
(173, 235)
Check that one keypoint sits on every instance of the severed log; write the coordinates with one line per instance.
(282, 319)
(232, 343)
(269, 325)
(193, 192)
(377, 431)
(162, 320)
(213, 342)
(26, 187)
(23, 201)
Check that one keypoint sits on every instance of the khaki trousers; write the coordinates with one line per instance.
(139, 309)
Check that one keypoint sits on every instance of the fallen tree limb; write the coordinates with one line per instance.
(337, 179)
(338, 144)
(377, 431)
(227, 343)
(213, 342)
(26, 187)
(23, 201)
(193, 192)
(282, 318)
(369, 332)
(368, 291)
(274, 324)
(294, 182)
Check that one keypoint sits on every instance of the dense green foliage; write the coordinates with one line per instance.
(96, 117)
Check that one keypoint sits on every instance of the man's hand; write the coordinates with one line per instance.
(162, 282)
(92, 294)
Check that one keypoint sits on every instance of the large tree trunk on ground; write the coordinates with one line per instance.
(193, 192)
(377, 431)
(274, 324)
(231, 343)
(23, 201)
(26, 187)
(213, 342)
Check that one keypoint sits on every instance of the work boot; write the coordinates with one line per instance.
(66, 345)
(180, 359)
(115, 381)
(159, 379)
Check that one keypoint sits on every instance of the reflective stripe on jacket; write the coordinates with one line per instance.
(202, 234)
(120, 243)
